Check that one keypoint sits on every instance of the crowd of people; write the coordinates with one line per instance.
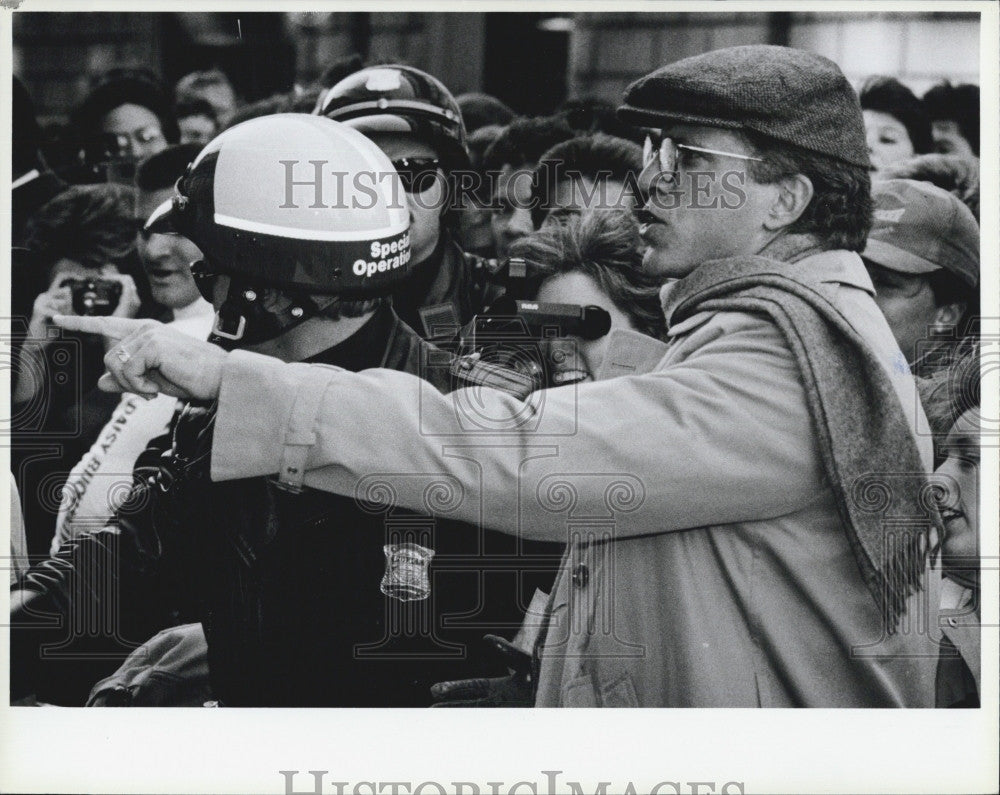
(371, 395)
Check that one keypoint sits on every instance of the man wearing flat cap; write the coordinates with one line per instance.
(724, 497)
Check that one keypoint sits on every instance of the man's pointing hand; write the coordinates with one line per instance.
(151, 358)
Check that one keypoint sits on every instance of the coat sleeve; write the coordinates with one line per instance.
(92, 601)
(722, 435)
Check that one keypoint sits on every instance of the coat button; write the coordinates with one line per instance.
(952, 622)
(580, 575)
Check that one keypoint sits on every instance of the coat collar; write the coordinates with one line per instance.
(824, 267)
(630, 353)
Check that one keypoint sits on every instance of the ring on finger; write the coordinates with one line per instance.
(123, 355)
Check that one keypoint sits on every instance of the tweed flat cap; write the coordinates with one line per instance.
(786, 94)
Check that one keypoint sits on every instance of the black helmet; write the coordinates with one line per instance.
(398, 98)
(294, 202)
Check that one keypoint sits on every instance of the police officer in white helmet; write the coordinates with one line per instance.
(300, 603)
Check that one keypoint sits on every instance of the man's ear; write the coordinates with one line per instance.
(947, 316)
(793, 196)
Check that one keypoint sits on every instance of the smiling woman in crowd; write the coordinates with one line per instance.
(951, 399)
(593, 259)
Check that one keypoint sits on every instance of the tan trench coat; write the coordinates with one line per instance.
(728, 581)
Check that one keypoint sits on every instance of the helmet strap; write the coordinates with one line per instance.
(244, 319)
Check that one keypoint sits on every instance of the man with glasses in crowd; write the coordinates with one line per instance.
(723, 500)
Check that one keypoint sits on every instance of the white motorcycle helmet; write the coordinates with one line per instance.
(294, 202)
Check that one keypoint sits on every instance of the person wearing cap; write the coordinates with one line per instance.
(923, 258)
(722, 495)
(416, 121)
(953, 173)
(306, 598)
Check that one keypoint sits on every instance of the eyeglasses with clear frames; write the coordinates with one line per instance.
(668, 153)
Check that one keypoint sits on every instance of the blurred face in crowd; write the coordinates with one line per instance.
(427, 201)
(888, 140)
(960, 471)
(220, 96)
(511, 217)
(166, 258)
(907, 301)
(708, 209)
(474, 227)
(578, 288)
(196, 129)
(948, 139)
(137, 130)
(573, 196)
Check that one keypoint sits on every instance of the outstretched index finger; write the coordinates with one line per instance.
(114, 328)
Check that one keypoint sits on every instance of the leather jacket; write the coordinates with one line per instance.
(286, 584)
(445, 291)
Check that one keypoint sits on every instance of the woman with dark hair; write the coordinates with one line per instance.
(593, 258)
(896, 122)
(954, 114)
(508, 161)
(589, 172)
(127, 116)
(81, 243)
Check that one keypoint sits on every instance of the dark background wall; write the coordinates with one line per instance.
(532, 61)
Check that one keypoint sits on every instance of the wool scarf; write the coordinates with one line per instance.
(856, 413)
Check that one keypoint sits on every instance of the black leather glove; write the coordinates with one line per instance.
(515, 690)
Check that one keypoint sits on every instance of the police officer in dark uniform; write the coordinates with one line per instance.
(417, 122)
(307, 599)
